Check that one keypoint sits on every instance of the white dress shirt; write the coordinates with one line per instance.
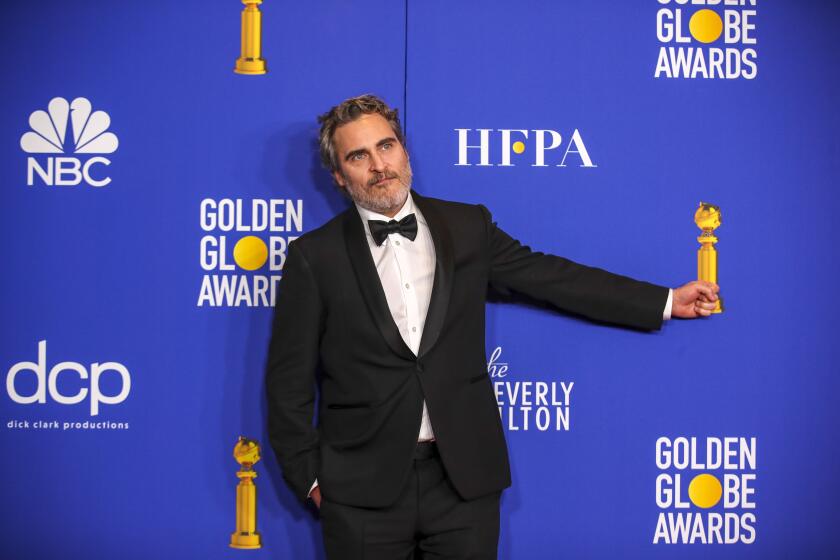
(406, 269)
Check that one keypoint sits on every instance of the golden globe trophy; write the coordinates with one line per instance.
(707, 219)
(250, 61)
(247, 453)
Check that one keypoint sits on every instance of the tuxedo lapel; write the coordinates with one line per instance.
(444, 268)
(370, 285)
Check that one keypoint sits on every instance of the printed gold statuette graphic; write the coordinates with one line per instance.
(247, 453)
(250, 61)
(707, 219)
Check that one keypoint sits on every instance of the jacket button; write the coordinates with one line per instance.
(419, 366)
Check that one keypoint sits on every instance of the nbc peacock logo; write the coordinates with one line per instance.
(68, 127)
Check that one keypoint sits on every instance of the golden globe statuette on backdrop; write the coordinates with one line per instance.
(250, 61)
(247, 453)
(707, 219)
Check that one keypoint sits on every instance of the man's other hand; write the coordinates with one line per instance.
(316, 496)
(695, 299)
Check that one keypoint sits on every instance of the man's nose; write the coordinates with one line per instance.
(377, 163)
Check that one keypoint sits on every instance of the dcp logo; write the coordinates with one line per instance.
(49, 135)
(48, 381)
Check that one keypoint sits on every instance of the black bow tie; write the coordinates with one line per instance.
(407, 227)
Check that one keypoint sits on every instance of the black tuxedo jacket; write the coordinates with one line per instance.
(331, 314)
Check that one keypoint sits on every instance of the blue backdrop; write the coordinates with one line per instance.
(135, 336)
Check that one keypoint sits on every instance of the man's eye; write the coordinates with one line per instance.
(358, 157)
(387, 146)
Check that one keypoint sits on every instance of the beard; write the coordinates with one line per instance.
(385, 199)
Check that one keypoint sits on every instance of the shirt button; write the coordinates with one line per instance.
(413, 329)
(397, 242)
(407, 285)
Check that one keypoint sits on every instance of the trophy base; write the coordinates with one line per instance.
(245, 540)
(250, 66)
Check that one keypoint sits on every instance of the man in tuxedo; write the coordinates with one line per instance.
(387, 302)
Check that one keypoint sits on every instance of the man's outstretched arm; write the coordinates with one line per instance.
(588, 291)
(290, 373)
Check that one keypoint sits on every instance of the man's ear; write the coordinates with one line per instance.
(339, 180)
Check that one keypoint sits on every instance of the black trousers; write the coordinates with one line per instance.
(429, 520)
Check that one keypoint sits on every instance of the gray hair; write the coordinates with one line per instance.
(348, 111)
